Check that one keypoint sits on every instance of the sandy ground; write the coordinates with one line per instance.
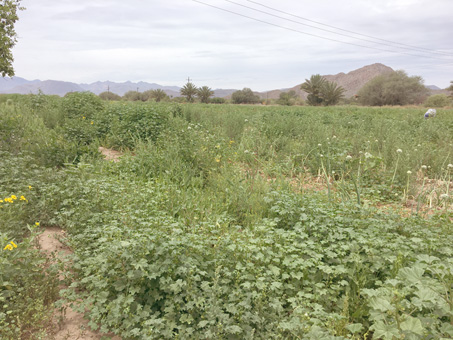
(71, 325)
(109, 154)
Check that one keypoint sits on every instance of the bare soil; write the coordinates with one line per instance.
(67, 323)
(110, 154)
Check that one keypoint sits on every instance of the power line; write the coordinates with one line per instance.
(314, 35)
(421, 49)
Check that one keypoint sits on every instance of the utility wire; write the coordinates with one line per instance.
(352, 32)
(314, 35)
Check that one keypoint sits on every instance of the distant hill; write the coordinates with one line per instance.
(352, 82)
(23, 86)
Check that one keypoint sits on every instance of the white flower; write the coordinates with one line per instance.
(334, 137)
(246, 120)
(450, 166)
(368, 155)
(321, 155)
(399, 150)
(376, 140)
(444, 196)
(348, 158)
(319, 145)
(246, 151)
(424, 167)
(409, 172)
(189, 128)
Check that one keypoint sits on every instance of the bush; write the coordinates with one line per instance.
(109, 96)
(218, 100)
(123, 124)
(438, 100)
(395, 88)
(81, 104)
(245, 96)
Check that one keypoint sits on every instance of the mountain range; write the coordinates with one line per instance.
(352, 82)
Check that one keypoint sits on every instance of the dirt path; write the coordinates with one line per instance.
(109, 154)
(71, 325)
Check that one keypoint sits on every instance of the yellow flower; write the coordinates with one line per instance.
(217, 160)
(37, 224)
(30, 187)
(83, 117)
(9, 200)
(14, 245)
(9, 247)
(92, 123)
(22, 198)
(231, 142)
(14, 197)
(1, 201)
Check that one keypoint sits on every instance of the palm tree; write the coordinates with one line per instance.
(314, 89)
(158, 95)
(331, 93)
(204, 93)
(189, 91)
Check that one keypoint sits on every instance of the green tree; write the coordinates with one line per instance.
(107, 95)
(132, 96)
(287, 98)
(331, 93)
(204, 93)
(8, 36)
(313, 87)
(189, 91)
(245, 96)
(395, 88)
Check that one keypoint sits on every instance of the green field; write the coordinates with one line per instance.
(228, 221)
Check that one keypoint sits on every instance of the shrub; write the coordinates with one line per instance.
(245, 96)
(438, 100)
(109, 96)
(81, 104)
(218, 100)
(123, 124)
(395, 88)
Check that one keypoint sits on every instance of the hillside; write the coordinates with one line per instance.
(352, 82)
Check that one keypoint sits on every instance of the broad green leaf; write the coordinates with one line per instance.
(413, 325)
(380, 304)
(354, 327)
(411, 275)
(426, 294)
(384, 331)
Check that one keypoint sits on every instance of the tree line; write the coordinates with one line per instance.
(394, 88)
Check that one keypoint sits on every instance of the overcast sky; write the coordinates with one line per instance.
(166, 41)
